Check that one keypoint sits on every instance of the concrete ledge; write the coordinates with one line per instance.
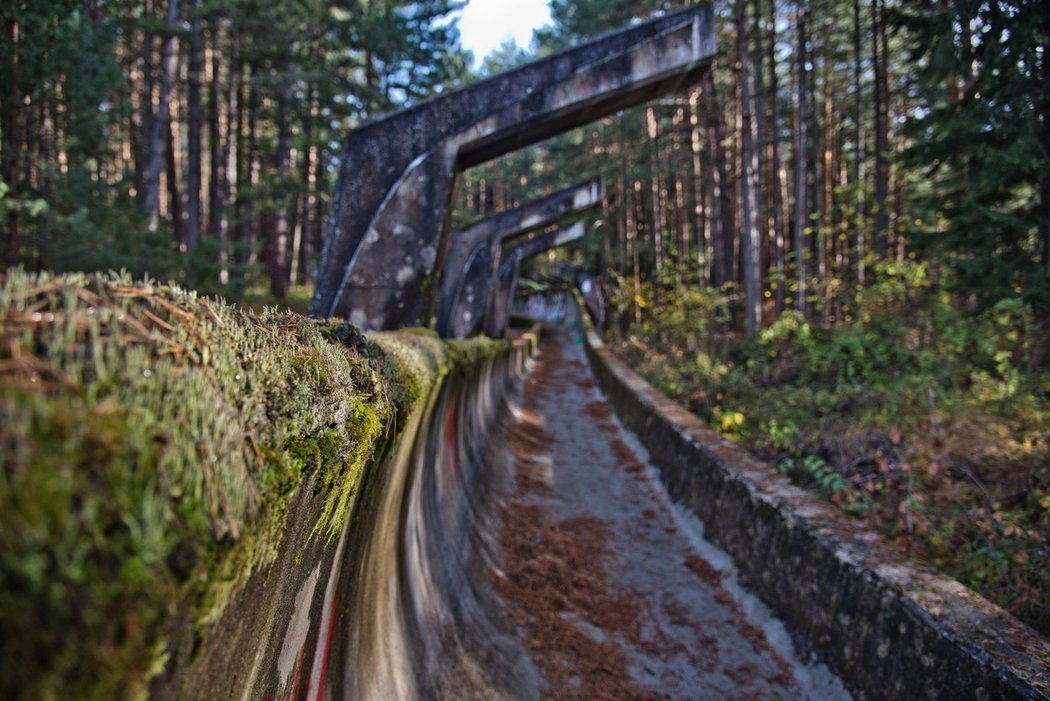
(890, 628)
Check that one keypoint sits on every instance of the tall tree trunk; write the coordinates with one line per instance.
(826, 235)
(801, 149)
(193, 134)
(246, 180)
(718, 188)
(161, 126)
(858, 147)
(10, 144)
(658, 223)
(216, 155)
(1044, 180)
(764, 196)
(882, 138)
(146, 111)
(683, 205)
(279, 245)
(776, 183)
(175, 210)
(699, 212)
(748, 183)
(301, 244)
(228, 182)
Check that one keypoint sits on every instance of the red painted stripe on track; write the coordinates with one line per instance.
(327, 646)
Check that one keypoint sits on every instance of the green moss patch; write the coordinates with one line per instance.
(150, 440)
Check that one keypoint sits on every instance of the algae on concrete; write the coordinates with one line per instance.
(150, 440)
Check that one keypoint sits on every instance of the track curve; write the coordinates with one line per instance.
(522, 547)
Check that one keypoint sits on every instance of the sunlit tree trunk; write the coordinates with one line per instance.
(657, 219)
(751, 246)
(699, 211)
(776, 168)
(763, 192)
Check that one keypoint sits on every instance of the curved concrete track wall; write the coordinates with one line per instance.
(382, 611)
(418, 619)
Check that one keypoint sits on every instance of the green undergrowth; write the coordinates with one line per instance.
(927, 421)
(150, 442)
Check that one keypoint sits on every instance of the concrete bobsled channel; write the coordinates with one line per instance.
(419, 619)
(386, 608)
(891, 628)
(420, 597)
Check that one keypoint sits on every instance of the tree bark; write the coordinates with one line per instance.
(246, 173)
(146, 112)
(1044, 181)
(800, 147)
(193, 133)
(658, 223)
(175, 210)
(717, 186)
(882, 138)
(749, 183)
(301, 253)
(777, 181)
(161, 124)
(858, 147)
(281, 232)
(699, 213)
(764, 196)
(10, 144)
(826, 231)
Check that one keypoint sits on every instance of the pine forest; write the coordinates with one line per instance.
(835, 248)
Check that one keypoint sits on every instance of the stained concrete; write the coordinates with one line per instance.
(511, 258)
(388, 229)
(468, 276)
(618, 595)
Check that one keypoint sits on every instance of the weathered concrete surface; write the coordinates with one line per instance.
(388, 229)
(283, 634)
(510, 268)
(467, 279)
(415, 616)
(615, 591)
(892, 629)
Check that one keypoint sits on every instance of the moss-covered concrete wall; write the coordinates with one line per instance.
(167, 459)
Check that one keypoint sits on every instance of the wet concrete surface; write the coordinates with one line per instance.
(613, 589)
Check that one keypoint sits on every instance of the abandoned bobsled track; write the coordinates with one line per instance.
(518, 542)
(532, 519)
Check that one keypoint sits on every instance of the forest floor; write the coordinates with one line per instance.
(931, 429)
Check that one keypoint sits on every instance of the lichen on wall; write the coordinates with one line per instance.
(150, 441)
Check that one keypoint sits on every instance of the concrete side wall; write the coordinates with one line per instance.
(889, 628)
(420, 619)
(340, 617)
